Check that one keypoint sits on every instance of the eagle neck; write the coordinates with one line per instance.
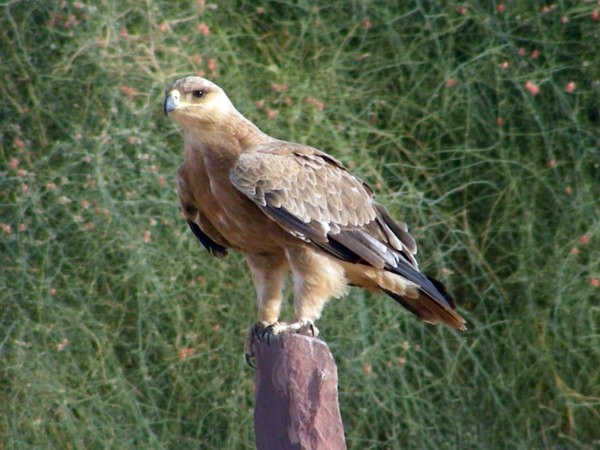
(221, 142)
(247, 134)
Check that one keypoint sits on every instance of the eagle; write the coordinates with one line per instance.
(288, 207)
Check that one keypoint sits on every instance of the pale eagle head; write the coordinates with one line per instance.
(196, 100)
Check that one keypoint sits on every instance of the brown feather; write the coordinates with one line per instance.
(291, 206)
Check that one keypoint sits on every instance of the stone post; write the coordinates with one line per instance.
(296, 398)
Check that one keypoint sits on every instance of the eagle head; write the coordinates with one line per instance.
(196, 99)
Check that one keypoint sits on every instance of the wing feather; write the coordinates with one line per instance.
(208, 235)
(313, 197)
(210, 245)
(306, 183)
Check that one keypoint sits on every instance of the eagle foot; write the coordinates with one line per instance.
(255, 333)
(263, 332)
(304, 327)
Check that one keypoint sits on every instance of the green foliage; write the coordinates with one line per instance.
(478, 125)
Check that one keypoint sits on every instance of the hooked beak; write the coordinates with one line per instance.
(171, 101)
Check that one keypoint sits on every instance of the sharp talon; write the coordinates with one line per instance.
(256, 331)
(254, 334)
(266, 334)
(249, 361)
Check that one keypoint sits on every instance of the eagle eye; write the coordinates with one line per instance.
(198, 93)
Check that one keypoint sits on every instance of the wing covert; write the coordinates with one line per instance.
(313, 197)
(307, 192)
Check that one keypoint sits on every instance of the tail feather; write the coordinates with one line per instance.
(434, 304)
(425, 297)
(442, 290)
(430, 310)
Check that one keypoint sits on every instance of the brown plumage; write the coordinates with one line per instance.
(290, 207)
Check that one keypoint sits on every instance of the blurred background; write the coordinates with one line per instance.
(477, 123)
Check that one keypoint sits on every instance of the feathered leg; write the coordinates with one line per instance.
(268, 275)
(317, 278)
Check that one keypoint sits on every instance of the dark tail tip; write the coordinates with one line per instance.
(442, 290)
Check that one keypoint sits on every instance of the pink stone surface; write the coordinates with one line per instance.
(296, 398)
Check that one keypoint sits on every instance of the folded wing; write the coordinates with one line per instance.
(313, 197)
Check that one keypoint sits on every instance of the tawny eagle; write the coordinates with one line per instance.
(289, 207)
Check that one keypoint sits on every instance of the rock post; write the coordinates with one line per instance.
(296, 397)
